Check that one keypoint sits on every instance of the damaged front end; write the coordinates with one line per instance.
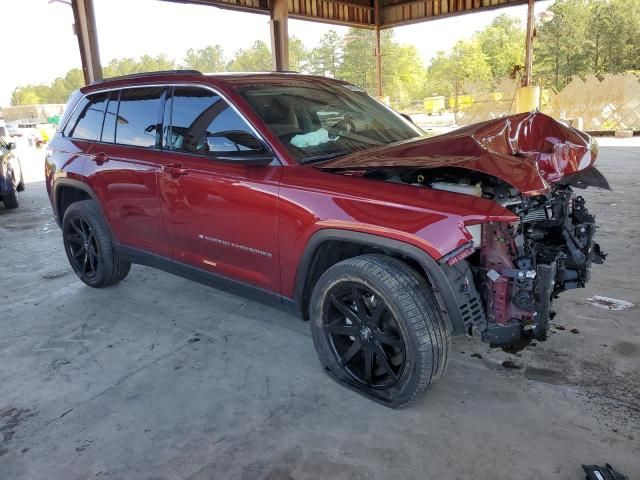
(506, 279)
(522, 267)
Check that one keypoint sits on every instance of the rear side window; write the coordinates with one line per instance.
(86, 121)
(110, 118)
(136, 119)
(203, 123)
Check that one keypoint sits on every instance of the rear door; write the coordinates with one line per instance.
(220, 216)
(123, 165)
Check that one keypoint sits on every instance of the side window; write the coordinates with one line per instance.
(110, 118)
(203, 123)
(136, 122)
(86, 122)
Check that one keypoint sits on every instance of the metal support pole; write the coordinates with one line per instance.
(528, 67)
(378, 51)
(279, 11)
(87, 34)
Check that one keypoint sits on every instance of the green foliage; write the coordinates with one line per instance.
(448, 73)
(208, 59)
(57, 92)
(146, 63)
(256, 58)
(503, 44)
(326, 58)
(298, 55)
(595, 36)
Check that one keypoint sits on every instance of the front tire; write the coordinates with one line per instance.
(10, 200)
(89, 248)
(378, 329)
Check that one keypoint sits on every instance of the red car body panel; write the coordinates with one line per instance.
(126, 186)
(223, 218)
(528, 151)
(312, 200)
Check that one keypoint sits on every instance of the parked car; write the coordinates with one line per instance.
(11, 181)
(309, 194)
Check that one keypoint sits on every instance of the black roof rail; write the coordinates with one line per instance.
(149, 74)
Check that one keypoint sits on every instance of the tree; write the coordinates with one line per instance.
(560, 51)
(74, 79)
(208, 59)
(298, 55)
(146, 63)
(256, 58)
(503, 44)
(25, 95)
(357, 65)
(59, 91)
(613, 41)
(403, 75)
(448, 74)
(326, 58)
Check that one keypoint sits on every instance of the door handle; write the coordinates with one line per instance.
(176, 170)
(100, 158)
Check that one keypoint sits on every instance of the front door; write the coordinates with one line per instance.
(220, 216)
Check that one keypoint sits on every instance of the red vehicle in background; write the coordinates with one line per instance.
(307, 193)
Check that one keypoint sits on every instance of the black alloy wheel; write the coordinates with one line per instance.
(378, 329)
(364, 335)
(83, 248)
(90, 247)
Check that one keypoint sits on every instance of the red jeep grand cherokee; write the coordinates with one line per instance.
(309, 194)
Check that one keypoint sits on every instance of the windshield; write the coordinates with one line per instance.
(317, 121)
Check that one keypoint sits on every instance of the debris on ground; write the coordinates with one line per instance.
(594, 472)
(511, 364)
(55, 273)
(559, 327)
(574, 330)
(609, 303)
(476, 355)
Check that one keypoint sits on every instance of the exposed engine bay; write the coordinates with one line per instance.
(507, 279)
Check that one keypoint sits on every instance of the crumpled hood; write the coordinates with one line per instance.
(526, 150)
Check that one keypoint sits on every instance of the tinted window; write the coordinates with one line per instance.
(320, 120)
(110, 119)
(203, 123)
(86, 124)
(137, 117)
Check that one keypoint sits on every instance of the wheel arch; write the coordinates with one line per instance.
(313, 263)
(67, 191)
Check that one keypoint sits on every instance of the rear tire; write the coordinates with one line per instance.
(10, 200)
(89, 247)
(378, 329)
(20, 187)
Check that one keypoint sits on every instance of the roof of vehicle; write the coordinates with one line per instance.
(231, 79)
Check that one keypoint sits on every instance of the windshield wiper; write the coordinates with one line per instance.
(328, 156)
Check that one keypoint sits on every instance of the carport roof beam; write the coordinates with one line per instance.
(362, 13)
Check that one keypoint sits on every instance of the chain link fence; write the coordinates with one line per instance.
(607, 102)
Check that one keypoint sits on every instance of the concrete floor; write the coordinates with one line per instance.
(162, 378)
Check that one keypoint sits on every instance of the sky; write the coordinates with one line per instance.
(39, 44)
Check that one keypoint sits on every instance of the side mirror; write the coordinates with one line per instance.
(236, 146)
(407, 117)
(12, 145)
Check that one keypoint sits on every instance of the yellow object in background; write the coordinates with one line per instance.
(434, 105)
(46, 131)
(527, 99)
